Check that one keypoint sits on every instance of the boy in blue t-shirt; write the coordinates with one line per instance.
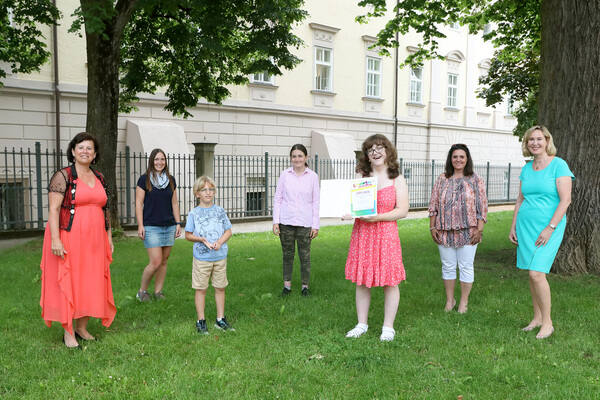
(209, 228)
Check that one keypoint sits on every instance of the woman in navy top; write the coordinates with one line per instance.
(158, 219)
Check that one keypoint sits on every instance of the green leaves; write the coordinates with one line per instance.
(193, 50)
(514, 29)
(21, 45)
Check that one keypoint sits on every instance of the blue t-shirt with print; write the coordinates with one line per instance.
(209, 223)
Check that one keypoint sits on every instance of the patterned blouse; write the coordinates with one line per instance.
(458, 204)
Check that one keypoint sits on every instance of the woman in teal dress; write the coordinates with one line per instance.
(539, 220)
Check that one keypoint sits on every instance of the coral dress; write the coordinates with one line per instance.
(79, 286)
(375, 255)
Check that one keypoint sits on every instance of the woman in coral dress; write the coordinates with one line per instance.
(375, 255)
(78, 247)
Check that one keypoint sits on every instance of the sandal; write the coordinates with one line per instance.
(387, 334)
(357, 331)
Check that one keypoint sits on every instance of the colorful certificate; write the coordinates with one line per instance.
(363, 197)
(355, 197)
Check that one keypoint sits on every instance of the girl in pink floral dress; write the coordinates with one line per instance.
(375, 255)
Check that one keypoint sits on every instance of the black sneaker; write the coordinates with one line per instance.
(159, 296)
(305, 292)
(223, 324)
(201, 327)
(285, 292)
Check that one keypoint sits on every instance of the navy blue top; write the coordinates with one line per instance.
(158, 209)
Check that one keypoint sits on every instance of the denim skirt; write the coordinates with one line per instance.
(159, 236)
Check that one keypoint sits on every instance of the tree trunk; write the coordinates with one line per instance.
(103, 109)
(569, 104)
(103, 59)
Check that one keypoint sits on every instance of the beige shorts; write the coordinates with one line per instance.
(202, 270)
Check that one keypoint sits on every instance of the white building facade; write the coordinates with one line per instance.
(341, 87)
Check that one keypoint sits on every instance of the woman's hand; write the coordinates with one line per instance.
(110, 242)
(544, 237)
(58, 249)
(512, 236)
(141, 232)
(476, 237)
(178, 231)
(276, 229)
(314, 233)
(436, 235)
(370, 218)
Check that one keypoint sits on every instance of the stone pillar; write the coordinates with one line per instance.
(204, 156)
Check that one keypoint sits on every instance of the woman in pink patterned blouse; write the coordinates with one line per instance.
(457, 214)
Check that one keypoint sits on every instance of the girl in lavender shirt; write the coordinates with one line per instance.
(296, 216)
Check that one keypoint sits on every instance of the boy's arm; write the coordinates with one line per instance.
(224, 238)
(193, 238)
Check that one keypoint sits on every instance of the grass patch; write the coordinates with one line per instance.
(295, 347)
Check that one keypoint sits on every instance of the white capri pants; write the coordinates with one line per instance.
(463, 256)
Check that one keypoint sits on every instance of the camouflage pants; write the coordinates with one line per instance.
(289, 235)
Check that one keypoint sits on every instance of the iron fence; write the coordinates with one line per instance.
(245, 184)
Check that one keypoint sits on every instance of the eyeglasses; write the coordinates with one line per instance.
(207, 190)
(377, 149)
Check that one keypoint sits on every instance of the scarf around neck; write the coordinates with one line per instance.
(159, 181)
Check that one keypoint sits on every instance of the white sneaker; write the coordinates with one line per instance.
(357, 331)
(387, 334)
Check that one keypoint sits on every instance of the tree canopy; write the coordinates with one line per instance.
(192, 49)
(515, 31)
(22, 47)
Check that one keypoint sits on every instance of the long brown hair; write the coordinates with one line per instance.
(363, 166)
(151, 170)
(449, 168)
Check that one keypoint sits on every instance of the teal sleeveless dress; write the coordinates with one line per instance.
(539, 204)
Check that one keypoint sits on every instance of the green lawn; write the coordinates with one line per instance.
(295, 348)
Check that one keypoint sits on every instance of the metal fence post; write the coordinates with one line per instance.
(317, 164)
(487, 179)
(432, 175)
(38, 179)
(128, 183)
(508, 185)
(401, 164)
(266, 208)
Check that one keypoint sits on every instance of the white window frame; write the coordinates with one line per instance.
(373, 78)
(329, 84)
(11, 17)
(452, 98)
(487, 28)
(415, 86)
(259, 77)
(510, 106)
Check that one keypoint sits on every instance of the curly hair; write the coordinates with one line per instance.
(363, 166)
(82, 137)
(449, 168)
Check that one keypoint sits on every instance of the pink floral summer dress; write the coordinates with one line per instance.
(375, 255)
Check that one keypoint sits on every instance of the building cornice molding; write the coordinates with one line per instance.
(325, 28)
(238, 105)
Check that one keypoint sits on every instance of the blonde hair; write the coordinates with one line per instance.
(202, 181)
(550, 148)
